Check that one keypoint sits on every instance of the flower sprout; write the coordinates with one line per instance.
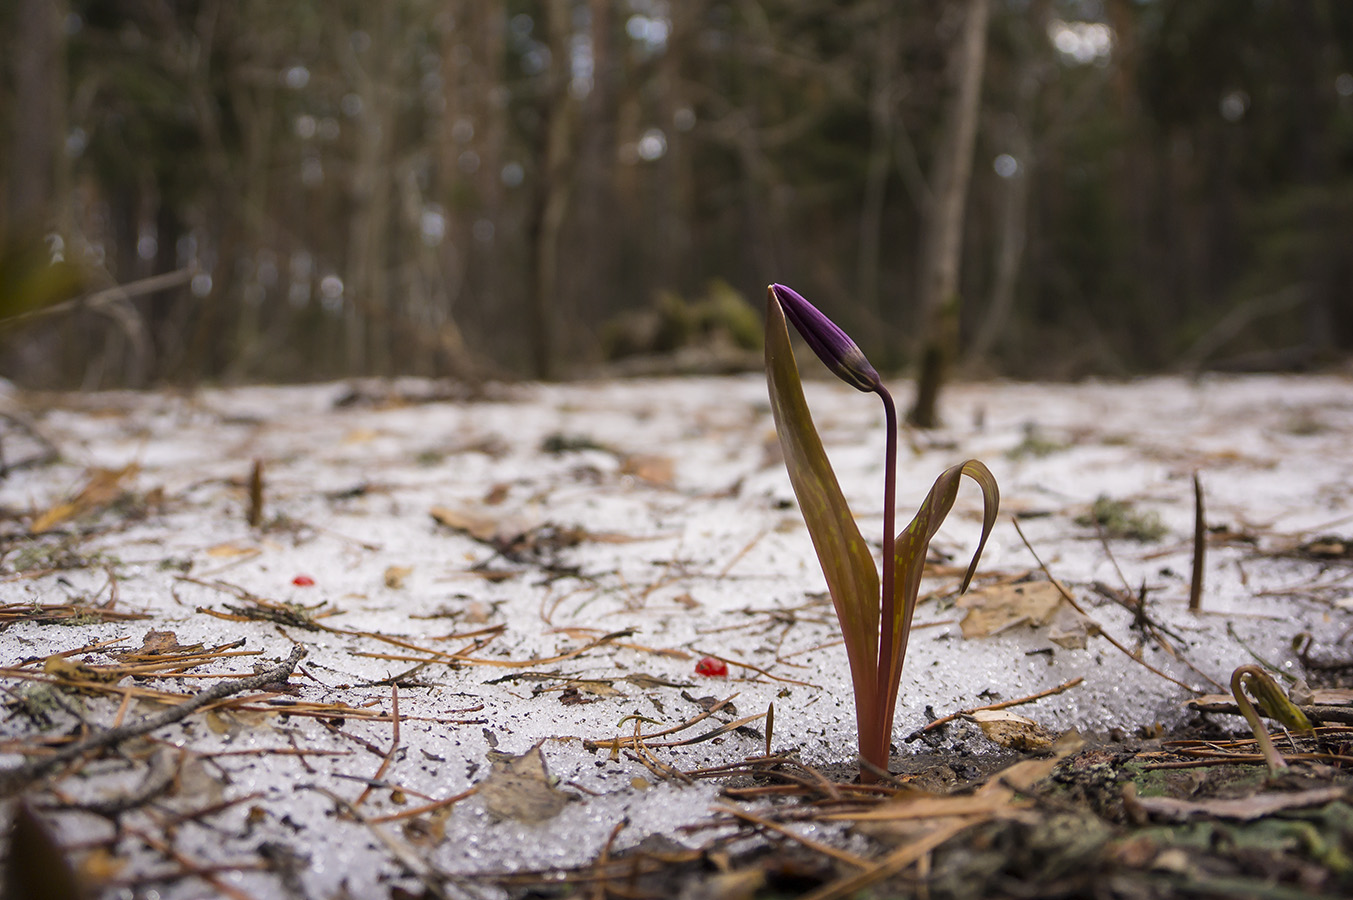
(875, 613)
(832, 345)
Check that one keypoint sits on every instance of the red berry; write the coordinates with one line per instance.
(303, 581)
(711, 667)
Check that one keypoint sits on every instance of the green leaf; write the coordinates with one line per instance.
(914, 542)
(846, 560)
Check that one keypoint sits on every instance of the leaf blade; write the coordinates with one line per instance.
(847, 563)
(914, 542)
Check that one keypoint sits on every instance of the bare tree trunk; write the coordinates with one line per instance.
(1012, 230)
(1010, 239)
(366, 303)
(38, 89)
(944, 231)
(882, 97)
(551, 193)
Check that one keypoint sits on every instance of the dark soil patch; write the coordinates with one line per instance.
(1137, 820)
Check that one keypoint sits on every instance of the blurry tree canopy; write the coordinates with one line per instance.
(312, 189)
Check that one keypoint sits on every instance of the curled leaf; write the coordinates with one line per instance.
(847, 563)
(914, 542)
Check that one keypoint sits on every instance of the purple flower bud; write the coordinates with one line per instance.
(832, 345)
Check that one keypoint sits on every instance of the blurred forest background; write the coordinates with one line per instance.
(254, 190)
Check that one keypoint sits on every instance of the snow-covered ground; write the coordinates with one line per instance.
(520, 525)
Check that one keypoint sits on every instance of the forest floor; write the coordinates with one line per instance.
(414, 639)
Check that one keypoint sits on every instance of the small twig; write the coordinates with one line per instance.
(16, 778)
(1064, 686)
(1066, 595)
(1199, 547)
(757, 669)
(848, 858)
(394, 747)
(427, 808)
(256, 494)
(191, 868)
(602, 887)
(893, 863)
(431, 877)
(1238, 678)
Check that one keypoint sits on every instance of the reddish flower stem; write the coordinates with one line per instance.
(887, 608)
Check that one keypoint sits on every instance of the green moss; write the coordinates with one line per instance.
(1035, 444)
(1118, 519)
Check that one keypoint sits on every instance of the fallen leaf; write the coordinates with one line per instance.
(230, 551)
(571, 696)
(741, 884)
(59, 666)
(921, 805)
(477, 612)
(159, 642)
(100, 866)
(36, 867)
(1024, 774)
(1226, 703)
(1070, 629)
(647, 682)
(595, 687)
(477, 525)
(994, 609)
(657, 470)
(360, 436)
(1011, 729)
(102, 488)
(395, 575)
(1243, 809)
(520, 788)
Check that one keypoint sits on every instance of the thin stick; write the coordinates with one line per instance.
(394, 746)
(846, 857)
(892, 864)
(888, 607)
(18, 777)
(426, 872)
(1064, 686)
(1066, 595)
(1199, 547)
(427, 808)
(256, 494)
(757, 669)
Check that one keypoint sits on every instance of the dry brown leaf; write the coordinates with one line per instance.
(653, 469)
(477, 612)
(232, 551)
(994, 609)
(520, 788)
(741, 884)
(160, 642)
(1241, 808)
(1024, 774)
(36, 868)
(1011, 729)
(360, 436)
(1070, 629)
(102, 488)
(59, 666)
(933, 806)
(476, 525)
(1225, 703)
(100, 866)
(395, 575)
(596, 688)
